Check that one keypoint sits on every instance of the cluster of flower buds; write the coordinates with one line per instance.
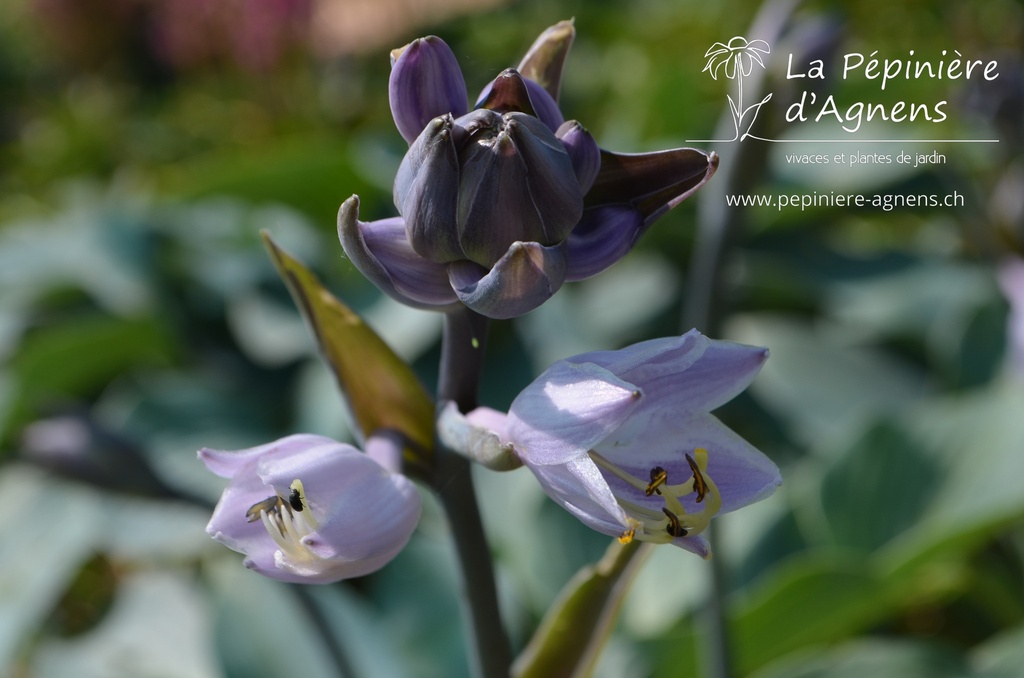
(502, 204)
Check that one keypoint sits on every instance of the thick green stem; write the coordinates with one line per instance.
(462, 350)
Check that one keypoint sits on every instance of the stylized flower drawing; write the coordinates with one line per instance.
(310, 510)
(736, 60)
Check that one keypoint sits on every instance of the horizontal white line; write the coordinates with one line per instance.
(852, 141)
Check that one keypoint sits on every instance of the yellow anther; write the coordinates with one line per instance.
(627, 536)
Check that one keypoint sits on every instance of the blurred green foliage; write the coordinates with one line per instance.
(137, 301)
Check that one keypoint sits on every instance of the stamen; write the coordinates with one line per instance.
(627, 536)
(699, 486)
(659, 476)
(673, 528)
(269, 505)
(616, 471)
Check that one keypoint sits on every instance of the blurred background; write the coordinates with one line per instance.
(145, 143)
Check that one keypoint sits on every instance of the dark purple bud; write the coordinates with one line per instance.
(517, 183)
(604, 235)
(544, 60)
(381, 251)
(523, 279)
(583, 152)
(653, 183)
(426, 192)
(506, 93)
(425, 82)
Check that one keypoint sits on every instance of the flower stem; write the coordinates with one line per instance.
(462, 350)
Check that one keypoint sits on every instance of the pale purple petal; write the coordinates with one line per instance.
(370, 521)
(227, 464)
(578, 487)
(492, 420)
(689, 373)
(566, 411)
(663, 438)
(228, 523)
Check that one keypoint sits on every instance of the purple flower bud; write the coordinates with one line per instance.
(583, 152)
(629, 193)
(425, 82)
(307, 509)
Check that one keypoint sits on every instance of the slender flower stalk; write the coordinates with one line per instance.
(462, 350)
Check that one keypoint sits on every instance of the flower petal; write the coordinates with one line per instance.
(506, 93)
(227, 464)
(653, 183)
(381, 251)
(373, 514)
(568, 410)
(604, 235)
(545, 106)
(523, 279)
(662, 437)
(425, 82)
(426, 191)
(579, 488)
(545, 59)
(517, 184)
(583, 152)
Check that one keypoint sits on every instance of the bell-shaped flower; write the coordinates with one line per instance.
(624, 440)
(311, 510)
(501, 205)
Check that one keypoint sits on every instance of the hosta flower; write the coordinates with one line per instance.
(502, 204)
(308, 509)
(624, 440)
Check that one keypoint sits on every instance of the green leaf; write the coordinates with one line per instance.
(381, 390)
(579, 621)
(906, 659)
(806, 601)
(878, 488)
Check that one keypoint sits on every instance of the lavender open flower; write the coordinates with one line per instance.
(501, 205)
(1011, 280)
(624, 440)
(311, 510)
